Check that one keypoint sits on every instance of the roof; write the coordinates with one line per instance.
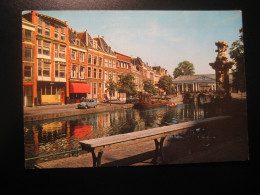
(194, 77)
(73, 37)
(55, 20)
(103, 45)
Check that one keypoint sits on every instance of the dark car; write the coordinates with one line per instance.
(88, 104)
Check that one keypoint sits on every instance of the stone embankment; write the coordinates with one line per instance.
(58, 111)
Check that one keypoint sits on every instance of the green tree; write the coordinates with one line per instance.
(149, 86)
(166, 84)
(111, 87)
(126, 84)
(236, 52)
(184, 68)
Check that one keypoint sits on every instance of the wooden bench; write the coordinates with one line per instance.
(100, 145)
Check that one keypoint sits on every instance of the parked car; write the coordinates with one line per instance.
(88, 103)
(131, 100)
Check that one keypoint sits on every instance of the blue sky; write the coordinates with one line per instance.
(162, 38)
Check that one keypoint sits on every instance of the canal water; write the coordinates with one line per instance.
(53, 136)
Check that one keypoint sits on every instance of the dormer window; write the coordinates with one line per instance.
(95, 44)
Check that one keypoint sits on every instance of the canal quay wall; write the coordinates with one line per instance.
(59, 111)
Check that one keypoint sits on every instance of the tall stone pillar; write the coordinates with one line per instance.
(221, 67)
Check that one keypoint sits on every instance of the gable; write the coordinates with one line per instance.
(204, 78)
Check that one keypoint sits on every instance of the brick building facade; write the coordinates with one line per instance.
(61, 65)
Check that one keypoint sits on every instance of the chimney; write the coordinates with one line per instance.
(67, 23)
(34, 18)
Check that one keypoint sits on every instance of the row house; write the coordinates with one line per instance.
(109, 64)
(158, 73)
(77, 84)
(28, 60)
(123, 67)
(51, 46)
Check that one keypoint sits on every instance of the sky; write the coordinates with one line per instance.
(161, 38)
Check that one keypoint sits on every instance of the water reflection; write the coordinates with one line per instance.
(57, 135)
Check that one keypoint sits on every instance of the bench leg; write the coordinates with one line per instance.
(96, 159)
(158, 149)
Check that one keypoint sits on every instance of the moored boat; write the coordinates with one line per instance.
(173, 105)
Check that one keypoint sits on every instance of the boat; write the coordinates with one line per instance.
(173, 105)
(146, 100)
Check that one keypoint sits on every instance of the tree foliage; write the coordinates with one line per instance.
(166, 84)
(126, 84)
(111, 87)
(149, 86)
(237, 54)
(184, 68)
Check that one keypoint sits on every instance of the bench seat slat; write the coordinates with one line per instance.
(116, 139)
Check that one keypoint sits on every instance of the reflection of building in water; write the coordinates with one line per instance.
(81, 132)
(53, 129)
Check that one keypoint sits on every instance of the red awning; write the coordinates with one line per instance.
(79, 88)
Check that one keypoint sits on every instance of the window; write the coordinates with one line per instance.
(106, 63)
(81, 56)
(28, 54)
(44, 68)
(95, 73)
(47, 30)
(89, 59)
(74, 71)
(56, 69)
(100, 73)
(62, 52)
(60, 70)
(44, 47)
(105, 75)
(95, 60)
(127, 66)
(39, 26)
(28, 71)
(62, 35)
(100, 61)
(39, 67)
(110, 75)
(89, 72)
(56, 32)
(59, 51)
(82, 72)
(110, 63)
(114, 76)
(28, 35)
(73, 54)
(95, 88)
(114, 64)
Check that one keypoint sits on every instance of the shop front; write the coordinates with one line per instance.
(78, 91)
(51, 93)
